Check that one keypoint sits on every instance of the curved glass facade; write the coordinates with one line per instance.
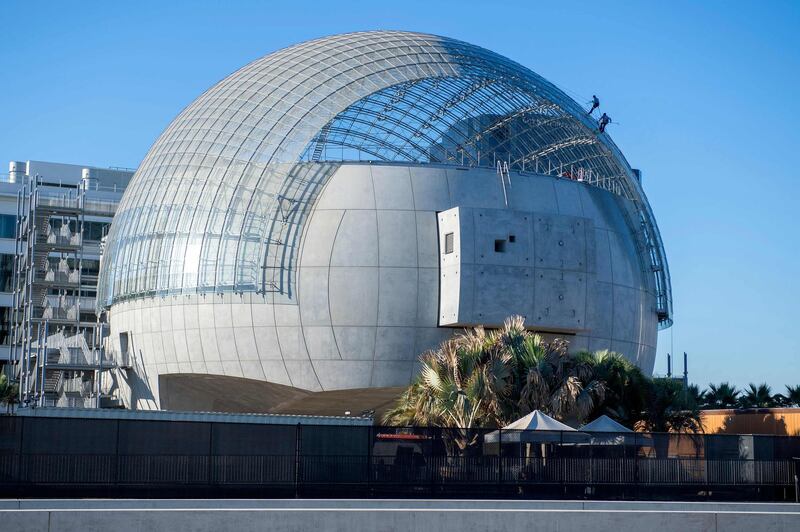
(219, 201)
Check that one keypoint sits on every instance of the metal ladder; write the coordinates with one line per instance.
(503, 172)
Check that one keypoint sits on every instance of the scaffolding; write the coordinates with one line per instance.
(57, 340)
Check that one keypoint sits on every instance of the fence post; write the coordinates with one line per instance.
(705, 468)
(563, 463)
(297, 440)
(499, 455)
(19, 458)
(116, 458)
(370, 443)
(432, 466)
(210, 453)
(775, 473)
(636, 465)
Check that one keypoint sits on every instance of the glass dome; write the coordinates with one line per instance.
(219, 201)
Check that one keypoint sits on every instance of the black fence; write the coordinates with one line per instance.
(52, 457)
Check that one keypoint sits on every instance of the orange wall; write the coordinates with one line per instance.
(783, 421)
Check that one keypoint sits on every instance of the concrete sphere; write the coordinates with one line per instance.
(257, 264)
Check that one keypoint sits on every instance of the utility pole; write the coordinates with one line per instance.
(685, 371)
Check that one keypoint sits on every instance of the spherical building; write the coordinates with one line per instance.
(302, 231)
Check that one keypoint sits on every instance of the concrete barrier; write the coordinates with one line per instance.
(433, 515)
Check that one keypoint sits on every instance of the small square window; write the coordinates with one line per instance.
(512, 238)
(448, 243)
(500, 246)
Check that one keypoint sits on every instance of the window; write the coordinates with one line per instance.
(6, 273)
(5, 326)
(90, 267)
(93, 231)
(448, 243)
(8, 226)
(124, 346)
(500, 246)
(512, 238)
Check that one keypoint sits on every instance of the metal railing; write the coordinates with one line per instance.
(459, 157)
(93, 185)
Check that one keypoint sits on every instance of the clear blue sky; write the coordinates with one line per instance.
(707, 97)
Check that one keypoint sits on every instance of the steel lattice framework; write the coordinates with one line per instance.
(218, 203)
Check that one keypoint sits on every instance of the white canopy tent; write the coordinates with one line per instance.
(535, 427)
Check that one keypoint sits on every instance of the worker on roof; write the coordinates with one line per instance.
(595, 103)
(604, 121)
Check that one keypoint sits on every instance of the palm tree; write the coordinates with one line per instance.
(780, 401)
(695, 396)
(757, 396)
(793, 395)
(670, 408)
(555, 382)
(722, 396)
(461, 384)
(487, 379)
(625, 386)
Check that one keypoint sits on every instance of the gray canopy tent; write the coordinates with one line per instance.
(606, 431)
(605, 424)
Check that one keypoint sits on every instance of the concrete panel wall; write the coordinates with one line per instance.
(369, 283)
(348, 515)
(565, 273)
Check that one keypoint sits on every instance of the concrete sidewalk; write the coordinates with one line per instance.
(241, 515)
